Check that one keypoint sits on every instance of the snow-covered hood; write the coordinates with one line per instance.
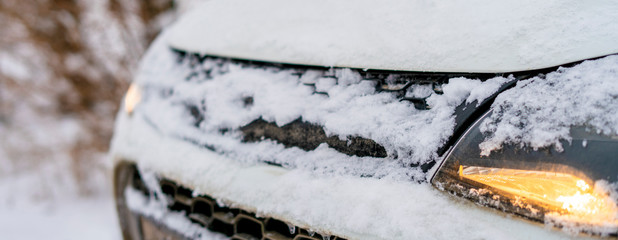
(443, 36)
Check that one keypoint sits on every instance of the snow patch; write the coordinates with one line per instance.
(539, 112)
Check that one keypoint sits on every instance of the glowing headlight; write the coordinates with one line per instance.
(132, 98)
(559, 191)
(573, 186)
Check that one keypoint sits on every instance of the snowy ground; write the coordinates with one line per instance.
(85, 218)
(44, 204)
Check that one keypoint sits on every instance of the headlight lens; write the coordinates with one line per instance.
(132, 98)
(544, 185)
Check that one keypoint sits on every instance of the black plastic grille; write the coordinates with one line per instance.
(235, 223)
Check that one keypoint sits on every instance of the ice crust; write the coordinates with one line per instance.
(540, 111)
(352, 108)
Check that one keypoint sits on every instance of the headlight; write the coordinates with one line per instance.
(575, 187)
(132, 98)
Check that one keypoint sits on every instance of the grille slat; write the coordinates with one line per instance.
(232, 222)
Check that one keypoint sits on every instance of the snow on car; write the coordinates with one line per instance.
(321, 120)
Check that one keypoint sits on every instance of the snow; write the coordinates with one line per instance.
(67, 219)
(45, 204)
(13, 67)
(452, 36)
(540, 111)
(353, 107)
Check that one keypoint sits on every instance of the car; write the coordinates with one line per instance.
(289, 119)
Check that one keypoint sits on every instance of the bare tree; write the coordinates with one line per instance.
(64, 66)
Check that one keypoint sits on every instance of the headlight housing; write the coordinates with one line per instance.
(575, 187)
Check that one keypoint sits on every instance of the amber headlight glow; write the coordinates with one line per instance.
(132, 98)
(575, 187)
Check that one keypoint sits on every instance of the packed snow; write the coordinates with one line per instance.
(540, 111)
(450, 35)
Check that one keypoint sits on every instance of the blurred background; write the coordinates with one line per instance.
(64, 67)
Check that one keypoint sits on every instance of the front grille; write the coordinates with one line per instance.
(236, 223)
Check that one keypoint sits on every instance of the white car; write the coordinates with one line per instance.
(289, 119)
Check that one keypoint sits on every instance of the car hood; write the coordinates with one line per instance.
(444, 36)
